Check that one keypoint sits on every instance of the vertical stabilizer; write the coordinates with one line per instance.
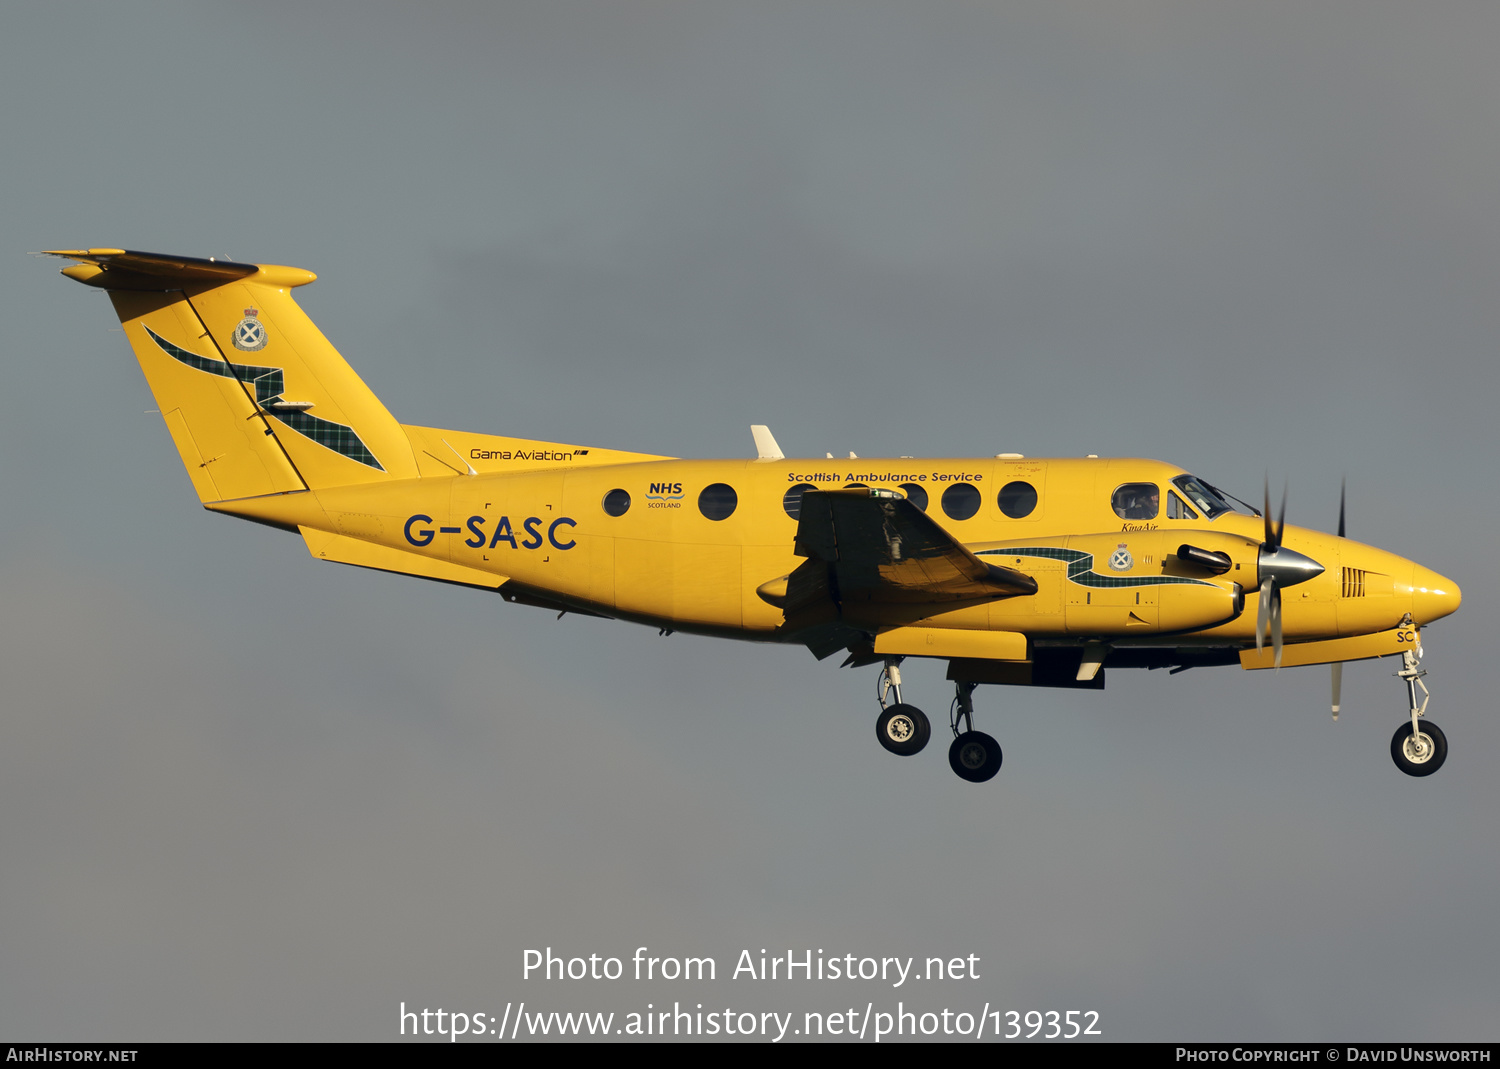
(256, 399)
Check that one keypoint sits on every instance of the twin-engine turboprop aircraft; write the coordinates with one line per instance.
(1016, 571)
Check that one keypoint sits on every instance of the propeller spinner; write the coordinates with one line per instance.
(1279, 568)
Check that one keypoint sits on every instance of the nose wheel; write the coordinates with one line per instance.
(1421, 752)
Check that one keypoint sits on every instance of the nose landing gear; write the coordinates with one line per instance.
(1419, 748)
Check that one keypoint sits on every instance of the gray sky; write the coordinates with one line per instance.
(248, 796)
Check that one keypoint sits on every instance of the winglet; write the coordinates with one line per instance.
(765, 443)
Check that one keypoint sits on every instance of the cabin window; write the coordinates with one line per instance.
(1137, 501)
(718, 501)
(617, 502)
(1018, 499)
(791, 501)
(960, 501)
(915, 494)
(856, 486)
(1177, 509)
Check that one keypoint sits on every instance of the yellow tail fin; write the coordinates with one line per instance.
(256, 399)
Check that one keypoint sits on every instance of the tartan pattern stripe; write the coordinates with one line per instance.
(1081, 568)
(269, 383)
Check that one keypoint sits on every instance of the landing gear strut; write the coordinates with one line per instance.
(1418, 748)
(974, 755)
(902, 729)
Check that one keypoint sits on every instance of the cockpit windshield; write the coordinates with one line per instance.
(1201, 494)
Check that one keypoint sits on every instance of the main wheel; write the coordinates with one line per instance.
(1421, 754)
(903, 729)
(975, 756)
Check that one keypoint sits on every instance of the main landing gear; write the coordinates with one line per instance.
(904, 729)
(974, 755)
(1419, 748)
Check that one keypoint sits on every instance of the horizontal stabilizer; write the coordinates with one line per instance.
(345, 550)
(126, 269)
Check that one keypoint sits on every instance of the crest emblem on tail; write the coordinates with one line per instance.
(250, 333)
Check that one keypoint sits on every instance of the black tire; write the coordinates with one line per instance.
(975, 756)
(903, 729)
(1413, 763)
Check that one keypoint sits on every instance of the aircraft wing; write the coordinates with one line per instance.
(862, 546)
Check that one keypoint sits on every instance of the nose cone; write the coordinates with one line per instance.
(1432, 596)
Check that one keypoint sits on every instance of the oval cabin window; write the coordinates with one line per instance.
(1018, 499)
(791, 501)
(960, 501)
(617, 502)
(718, 501)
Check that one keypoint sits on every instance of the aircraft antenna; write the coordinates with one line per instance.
(765, 443)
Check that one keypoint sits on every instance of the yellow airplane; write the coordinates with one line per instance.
(1040, 572)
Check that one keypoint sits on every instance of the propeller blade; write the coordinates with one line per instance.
(1263, 613)
(1281, 519)
(1271, 539)
(1338, 686)
(1342, 483)
(1276, 624)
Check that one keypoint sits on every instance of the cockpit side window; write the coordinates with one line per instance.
(1212, 505)
(1177, 509)
(1136, 501)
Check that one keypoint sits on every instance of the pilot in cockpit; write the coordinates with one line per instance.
(1143, 504)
